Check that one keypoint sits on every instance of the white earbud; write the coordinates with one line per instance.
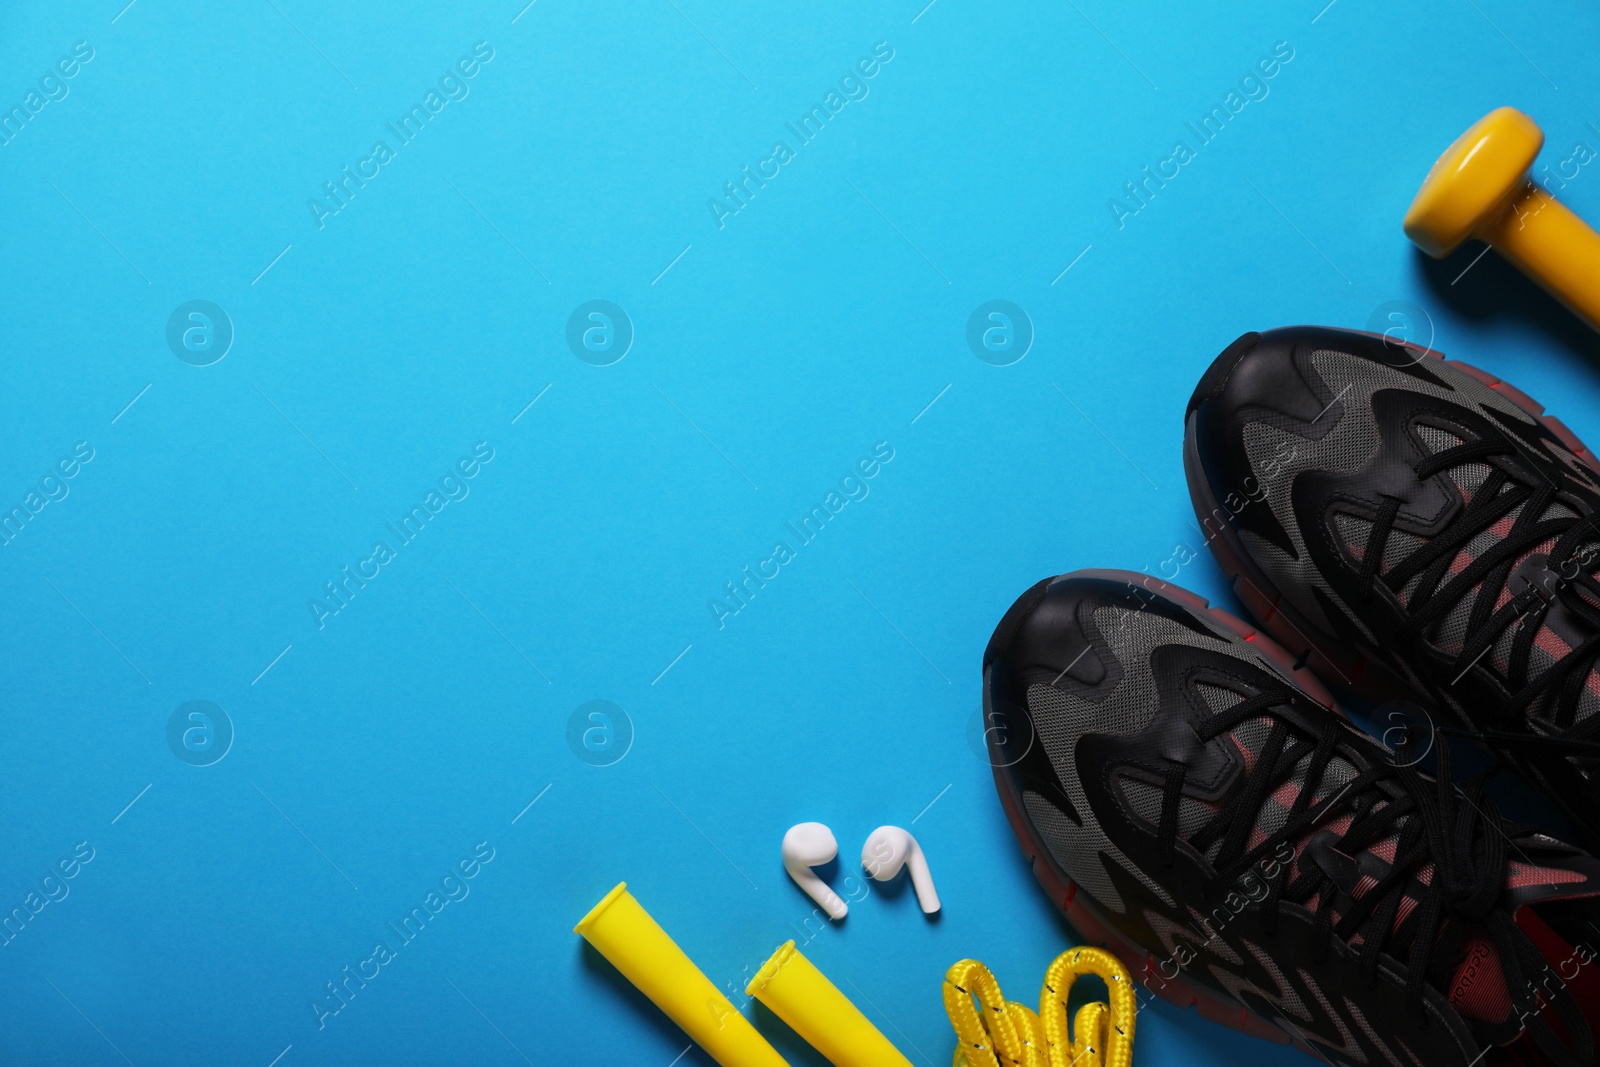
(890, 848)
(808, 845)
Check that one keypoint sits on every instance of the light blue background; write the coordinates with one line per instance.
(824, 318)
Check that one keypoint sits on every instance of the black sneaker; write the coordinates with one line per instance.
(1192, 801)
(1399, 516)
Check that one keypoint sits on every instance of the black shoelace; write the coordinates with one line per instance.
(1561, 685)
(1458, 832)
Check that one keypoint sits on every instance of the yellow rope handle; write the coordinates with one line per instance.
(994, 1032)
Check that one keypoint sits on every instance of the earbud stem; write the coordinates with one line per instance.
(922, 882)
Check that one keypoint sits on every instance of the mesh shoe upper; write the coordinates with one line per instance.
(1229, 830)
(1404, 506)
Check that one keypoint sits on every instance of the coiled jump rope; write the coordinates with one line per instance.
(995, 1032)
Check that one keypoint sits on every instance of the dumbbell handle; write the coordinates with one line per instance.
(1553, 246)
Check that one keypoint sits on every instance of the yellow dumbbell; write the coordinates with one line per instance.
(1480, 188)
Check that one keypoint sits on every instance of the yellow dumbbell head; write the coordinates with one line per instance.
(1475, 178)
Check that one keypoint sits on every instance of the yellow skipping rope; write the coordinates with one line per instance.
(995, 1032)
